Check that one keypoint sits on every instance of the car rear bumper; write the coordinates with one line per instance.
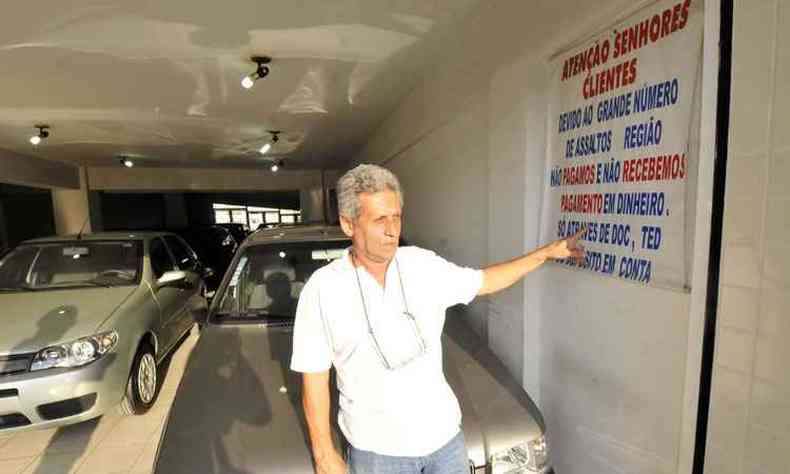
(57, 397)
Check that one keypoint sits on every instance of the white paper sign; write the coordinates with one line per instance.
(618, 144)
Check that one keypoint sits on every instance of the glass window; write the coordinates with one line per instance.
(73, 263)
(256, 219)
(160, 258)
(15, 267)
(185, 258)
(239, 216)
(222, 217)
(266, 282)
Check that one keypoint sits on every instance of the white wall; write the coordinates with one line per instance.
(70, 208)
(446, 199)
(32, 171)
(750, 400)
(605, 360)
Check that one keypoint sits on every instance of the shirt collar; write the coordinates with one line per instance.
(345, 264)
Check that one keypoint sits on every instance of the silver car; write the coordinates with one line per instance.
(85, 321)
(238, 408)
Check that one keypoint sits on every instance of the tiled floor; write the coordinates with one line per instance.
(107, 445)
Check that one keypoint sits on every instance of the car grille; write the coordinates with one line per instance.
(13, 420)
(64, 408)
(9, 393)
(15, 364)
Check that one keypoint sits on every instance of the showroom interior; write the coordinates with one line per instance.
(144, 125)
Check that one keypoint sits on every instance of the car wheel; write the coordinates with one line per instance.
(142, 387)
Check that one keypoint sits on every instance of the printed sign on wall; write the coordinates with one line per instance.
(620, 119)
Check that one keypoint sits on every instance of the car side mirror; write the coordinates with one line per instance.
(172, 278)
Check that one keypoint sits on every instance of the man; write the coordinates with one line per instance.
(377, 315)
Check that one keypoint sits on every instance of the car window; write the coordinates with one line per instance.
(224, 237)
(160, 258)
(267, 279)
(71, 263)
(15, 267)
(185, 258)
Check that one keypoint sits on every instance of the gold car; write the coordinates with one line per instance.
(238, 408)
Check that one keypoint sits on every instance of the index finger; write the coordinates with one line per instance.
(579, 234)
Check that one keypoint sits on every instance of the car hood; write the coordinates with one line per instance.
(497, 413)
(37, 319)
(238, 408)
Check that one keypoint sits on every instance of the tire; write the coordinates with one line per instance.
(143, 385)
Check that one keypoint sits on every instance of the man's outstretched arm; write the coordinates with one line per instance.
(502, 275)
(316, 403)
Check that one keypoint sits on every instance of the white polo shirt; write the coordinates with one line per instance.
(410, 411)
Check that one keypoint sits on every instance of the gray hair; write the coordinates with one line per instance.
(364, 179)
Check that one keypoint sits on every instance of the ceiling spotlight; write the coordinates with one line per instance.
(268, 146)
(260, 72)
(43, 132)
(127, 162)
(276, 166)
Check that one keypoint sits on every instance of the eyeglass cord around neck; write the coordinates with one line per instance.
(407, 313)
(400, 280)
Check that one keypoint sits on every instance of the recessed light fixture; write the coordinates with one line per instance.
(127, 162)
(43, 132)
(276, 166)
(268, 145)
(260, 72)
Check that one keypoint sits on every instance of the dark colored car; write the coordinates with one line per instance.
(238, 231)
(238, 408)
(215, 247)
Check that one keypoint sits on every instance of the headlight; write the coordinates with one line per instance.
(75, 353)
(532, 456)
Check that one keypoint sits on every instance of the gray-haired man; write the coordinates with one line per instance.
(377, 315)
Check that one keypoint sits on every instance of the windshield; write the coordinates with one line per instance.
(267, 279)
(34, 267)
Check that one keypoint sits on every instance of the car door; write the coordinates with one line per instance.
(187, 261)
(172, 299)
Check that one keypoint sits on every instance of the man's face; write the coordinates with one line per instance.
(376, 231)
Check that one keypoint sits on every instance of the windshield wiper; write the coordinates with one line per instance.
(252, 313)
(237, 314)
(99, 283)
(67, 284)
(17, 288)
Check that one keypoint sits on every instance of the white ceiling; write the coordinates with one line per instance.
(160, 80)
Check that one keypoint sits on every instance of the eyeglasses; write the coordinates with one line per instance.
(403, 341)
